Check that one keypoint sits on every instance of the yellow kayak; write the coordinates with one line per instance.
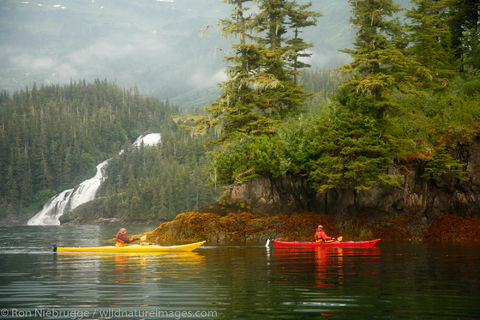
(132, 248)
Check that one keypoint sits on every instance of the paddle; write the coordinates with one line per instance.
(333, 239)
(142, 238)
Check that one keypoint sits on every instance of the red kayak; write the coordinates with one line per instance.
(336, 244)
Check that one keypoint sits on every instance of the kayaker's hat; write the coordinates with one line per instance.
(122, 230)
(320, 226)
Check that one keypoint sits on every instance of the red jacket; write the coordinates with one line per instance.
(320, 235)
(123, 238)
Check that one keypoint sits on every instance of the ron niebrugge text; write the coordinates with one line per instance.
(86, 313)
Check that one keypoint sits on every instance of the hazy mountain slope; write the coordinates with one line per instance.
(149, 43)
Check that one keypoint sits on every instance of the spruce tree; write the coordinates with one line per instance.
(235, 111)
(465, 28)
(260, 89)
(379, 64)
(430, 38)
(278, 92)
(300, 17)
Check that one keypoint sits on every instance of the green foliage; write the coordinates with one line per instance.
(435, 127)
(464, 21)
(379, 63)
(440, 119)
(386, 112)
(157, 183)
(339, 145)
(443, 164)
(430, 39)
(339, 148)
(261, 88)
(248, 157)
(51, 138)
(351, 152)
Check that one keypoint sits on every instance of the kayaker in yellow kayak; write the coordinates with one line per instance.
(123, 239)
(321, 236)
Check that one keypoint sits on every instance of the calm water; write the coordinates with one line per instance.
(402, 281)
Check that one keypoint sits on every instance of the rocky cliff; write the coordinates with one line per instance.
(426, 199)
(288, 208)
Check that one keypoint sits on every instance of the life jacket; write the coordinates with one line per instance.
(121, 242)
(321, 236)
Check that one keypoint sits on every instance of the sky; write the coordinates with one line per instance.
(152, 44)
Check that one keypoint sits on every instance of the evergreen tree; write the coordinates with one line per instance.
(278, 93)
(464, 24)
(260, 89)
(235, 111)
(430, 38)
(300, 18)
(351, 152)
(52, 137)
(379, 64)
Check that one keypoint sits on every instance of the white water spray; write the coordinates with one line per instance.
(86, 191)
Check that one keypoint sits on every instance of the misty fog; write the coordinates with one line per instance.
(153, 44)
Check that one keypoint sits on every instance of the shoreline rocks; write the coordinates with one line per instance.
(248, 228)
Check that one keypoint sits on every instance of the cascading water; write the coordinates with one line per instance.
(86, 191)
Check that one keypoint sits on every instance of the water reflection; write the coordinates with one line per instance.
(326, 266)
(395, 281)
(133, 267)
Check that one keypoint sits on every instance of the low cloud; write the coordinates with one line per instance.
(327, 59)
(201, 78)
(27, 61)
(112, 58)
(108, 52)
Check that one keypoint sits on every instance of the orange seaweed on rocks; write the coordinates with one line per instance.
(454, 228)
(241, 227)
(188, 226)
(400, 228)
(235, 227)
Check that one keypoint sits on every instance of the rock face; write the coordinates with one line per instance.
(288, 208)
(424, 199)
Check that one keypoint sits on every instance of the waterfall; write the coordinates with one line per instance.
(68, 200)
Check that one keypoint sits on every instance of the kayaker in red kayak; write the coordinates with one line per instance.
(321, 236)
(123, 239)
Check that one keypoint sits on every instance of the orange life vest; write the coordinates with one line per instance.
(122, 240)
(321, 236)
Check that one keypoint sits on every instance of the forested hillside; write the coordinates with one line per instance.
(52, 137)
(154, 183)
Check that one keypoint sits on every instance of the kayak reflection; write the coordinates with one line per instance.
(134, 267)
(328, 266)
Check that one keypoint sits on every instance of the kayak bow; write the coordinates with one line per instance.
(132, 248)
(337, 244)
